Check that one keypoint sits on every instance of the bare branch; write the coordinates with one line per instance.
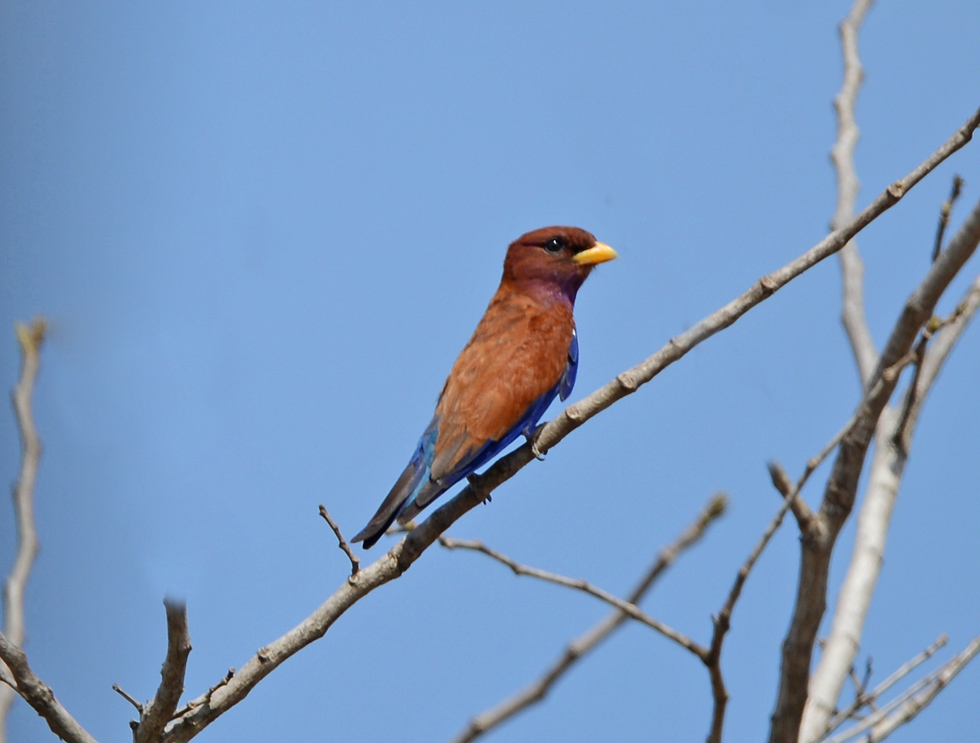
(160, 710)
(355, 561)
(206, 697)
(805, 518)
(883, 722)
(887, 468)
(129, 698)
(722, 623)
(863, 699)
(30, 338)
(631, 610)
(538, 689)
(39, 695)
(841, 487)
(943, 343)
(944, 212)
(842, 155)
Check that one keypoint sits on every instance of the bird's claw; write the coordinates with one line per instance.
(536, 451)
(475, 482)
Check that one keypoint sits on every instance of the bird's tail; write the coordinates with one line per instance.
(426, 494)
(404, 491)
(393, 504)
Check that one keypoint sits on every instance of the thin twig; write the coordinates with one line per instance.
(805, 518)
(631, 610)
(920, 701)
(30, 338)
(722, 623)
(206, 697)
(871, 697)
(121, 692)
(355, 561)
(588, 641)
(902, 435)
(945, 340)
(945, 210)
(883, 722)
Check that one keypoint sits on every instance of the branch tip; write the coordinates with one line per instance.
(355, 561)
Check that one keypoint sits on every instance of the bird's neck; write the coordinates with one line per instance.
(546, 292)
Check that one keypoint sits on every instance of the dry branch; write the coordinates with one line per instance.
(626, 607)
(893, 438)
(841, 488)
(14, 668)
(945, 210)
(870, 698)
(884, 721)
(583, 644)
(37, 694)
(894, 430)
(355, 561)
(842, 155)
(722, 623)
(30, 338)
(158, 711)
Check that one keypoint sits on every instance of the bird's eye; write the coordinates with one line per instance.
(555, 245)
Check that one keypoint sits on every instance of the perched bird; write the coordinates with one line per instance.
(523, 353)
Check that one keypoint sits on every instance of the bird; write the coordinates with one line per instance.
(523, 353)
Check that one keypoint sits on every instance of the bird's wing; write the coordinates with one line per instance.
(567, 381)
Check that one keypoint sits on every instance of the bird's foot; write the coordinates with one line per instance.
(476, 482)
(537, 452)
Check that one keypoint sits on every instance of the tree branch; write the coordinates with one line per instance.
(943, 343)
(868, 699)
(355, 561)
(841, 488)
(887, 468)
(37, 694)
(945, 210)
(583, 644)
(842, 155)
(722, 623)
(160, 710)
(806, 520)
(30, 338)
(884, 721)
(626, 607)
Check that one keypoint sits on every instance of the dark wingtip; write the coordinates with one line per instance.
(375, 529)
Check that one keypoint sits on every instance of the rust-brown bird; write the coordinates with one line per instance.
(522, 355)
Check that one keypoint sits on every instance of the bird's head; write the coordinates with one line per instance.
(554, 261)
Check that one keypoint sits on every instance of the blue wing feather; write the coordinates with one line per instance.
(567, 380)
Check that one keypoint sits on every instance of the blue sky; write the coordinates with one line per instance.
(261, 234)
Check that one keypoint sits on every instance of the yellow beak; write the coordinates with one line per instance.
(598, 253)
